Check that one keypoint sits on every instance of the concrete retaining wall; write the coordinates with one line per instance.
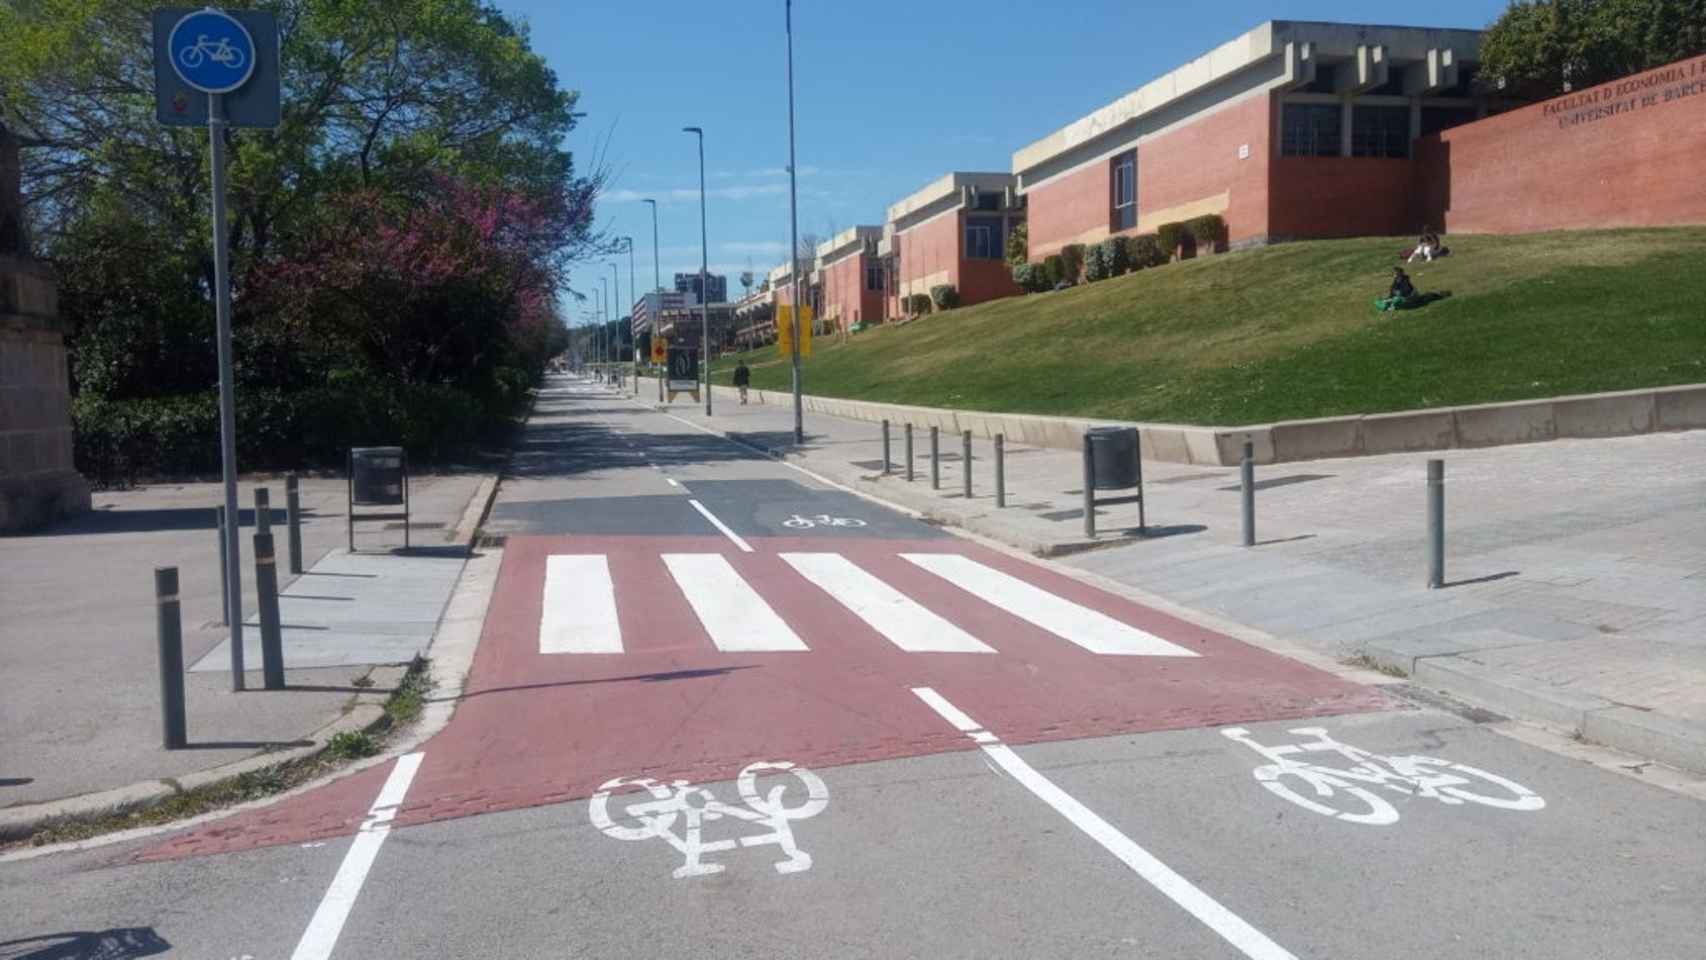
(1619, 414)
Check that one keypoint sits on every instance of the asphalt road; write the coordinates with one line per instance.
(720, 708)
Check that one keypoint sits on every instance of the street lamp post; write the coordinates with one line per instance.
(794, 231)
(633, 294)
(604, 323)
(657, 278)
(704, 268)
(616, 310)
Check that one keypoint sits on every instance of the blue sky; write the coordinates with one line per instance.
(889, 96)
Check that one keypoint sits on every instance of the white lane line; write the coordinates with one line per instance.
(671, 481)
(891, 613)
(1232, 928)
(1094, 631)
(745, 547)
(579, 610)
(322, 933)
(736, 617)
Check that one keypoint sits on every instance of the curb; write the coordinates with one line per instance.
(1667, 739)
(19, 822)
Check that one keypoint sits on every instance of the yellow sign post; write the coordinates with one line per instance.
(660, 349)
(785, 330)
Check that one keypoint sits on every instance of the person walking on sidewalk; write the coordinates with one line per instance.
(743, 377)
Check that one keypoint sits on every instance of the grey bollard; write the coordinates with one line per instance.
(169, 629)
(1000, 470)
(909, 453)
(935, 461)
(224, 579)
(293, 521)
(266, 594)
(1089, 491)
(263, 510)
(1436, 524)
(1247, 492)
(965, 459)
(885, 448)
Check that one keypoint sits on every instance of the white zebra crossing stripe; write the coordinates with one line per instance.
(1094, 631)
(579, 612)
(890, 612)
(736, 617)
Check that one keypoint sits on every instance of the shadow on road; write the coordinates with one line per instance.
(638, 677)
(119, 943)
(152, 521)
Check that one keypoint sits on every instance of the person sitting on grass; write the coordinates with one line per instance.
(1400, 294)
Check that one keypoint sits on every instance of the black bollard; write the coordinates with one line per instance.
(169, 630)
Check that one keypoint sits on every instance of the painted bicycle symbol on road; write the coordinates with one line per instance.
(1339, 792)
(662, 804)
(797, 522)
(218, 51)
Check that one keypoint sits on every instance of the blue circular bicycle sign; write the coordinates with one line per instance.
(211, 51)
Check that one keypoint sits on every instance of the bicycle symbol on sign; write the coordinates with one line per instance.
(656, 815)
(797, 522)
(1413, 775)
(219, 51)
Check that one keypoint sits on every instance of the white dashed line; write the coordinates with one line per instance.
(742, 544)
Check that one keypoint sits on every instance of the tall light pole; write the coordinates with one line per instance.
(657, 278)
(793, 230)
(604, 324)
(633, 294)
(704, 268)
(616, 309)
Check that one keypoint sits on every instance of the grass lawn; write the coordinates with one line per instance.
(1290, 331)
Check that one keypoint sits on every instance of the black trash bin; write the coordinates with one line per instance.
(1113, 457)
(378, 477)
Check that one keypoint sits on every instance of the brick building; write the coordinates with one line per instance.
(851, 277)
(688, 283)
(953, 231)
(1293, 130)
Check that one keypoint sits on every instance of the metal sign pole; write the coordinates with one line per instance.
(227, 398)
(794, 234)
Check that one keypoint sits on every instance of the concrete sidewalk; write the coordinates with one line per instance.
(79, 698)
(1576, 569)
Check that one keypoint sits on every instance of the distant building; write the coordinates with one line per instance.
(650, 306)
(689, 283)
(953, 232)
(852, 277)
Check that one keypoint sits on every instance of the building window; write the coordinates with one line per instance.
(983, 238)
(1310, 130)
(873, 276)
(1435, 119)
(1125, 191)
(988, 201)
(1380, 132)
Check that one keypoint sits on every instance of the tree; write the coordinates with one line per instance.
(1018, 244)
(1541, 48)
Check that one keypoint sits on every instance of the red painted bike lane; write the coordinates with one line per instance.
(535, 728)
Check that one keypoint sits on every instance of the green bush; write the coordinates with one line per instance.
(1018, 245)
(1171, 237)
(1031, 277)
(1072, 262)
(1096, 263)
(1116, 250)
(1145, 251)
(119, 441)
(1209, 232)
(944, 296)
(1054, 270)
(918, 304)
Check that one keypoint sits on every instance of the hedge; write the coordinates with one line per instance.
(918, 304)
(1054, 269)
(1116, 251)
(1209, 231)
(1030, 277)
(1171, 236)
(1096, 263)
(1072, 262)
(118, 442)
(1145, 251)
(944, 296)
